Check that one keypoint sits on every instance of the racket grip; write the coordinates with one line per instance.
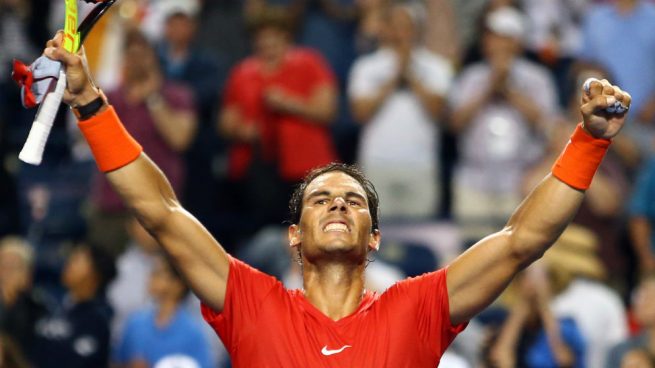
(32, 152)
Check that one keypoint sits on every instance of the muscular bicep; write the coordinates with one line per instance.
(479, 275)
(197, 255)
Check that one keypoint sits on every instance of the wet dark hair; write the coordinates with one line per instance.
(296, 201)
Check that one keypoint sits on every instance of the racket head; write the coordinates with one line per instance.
(90, 20)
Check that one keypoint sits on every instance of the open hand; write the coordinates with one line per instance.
(600, 96)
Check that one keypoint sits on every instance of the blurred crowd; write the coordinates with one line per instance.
(454, 109)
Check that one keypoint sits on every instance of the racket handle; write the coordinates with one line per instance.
(32, 152)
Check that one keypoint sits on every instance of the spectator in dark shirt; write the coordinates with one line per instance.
(78, 335)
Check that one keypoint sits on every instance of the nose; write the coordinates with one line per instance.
(338, 204)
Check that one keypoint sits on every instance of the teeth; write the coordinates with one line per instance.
(336, 227)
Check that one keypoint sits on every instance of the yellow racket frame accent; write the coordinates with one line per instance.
(71, 37)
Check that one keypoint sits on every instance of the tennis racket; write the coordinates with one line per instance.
(32, 152)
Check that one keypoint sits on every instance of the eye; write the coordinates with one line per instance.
(354, 203)
(321, 201)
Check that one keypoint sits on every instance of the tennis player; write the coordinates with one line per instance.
(333, 321)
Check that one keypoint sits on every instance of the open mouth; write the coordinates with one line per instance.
(336, 227)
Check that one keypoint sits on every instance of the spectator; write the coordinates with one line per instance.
(644, 314)
(128, 292)
(278, 104)
(162, 115)
(499, 107)
(21, 305)
(577, 274)
(398, 93)
(532, 336)
(184, 62)
(78, 335)
(555, 37)
(166, 335)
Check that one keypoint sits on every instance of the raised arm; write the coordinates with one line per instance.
(143, 187)
(481, 273)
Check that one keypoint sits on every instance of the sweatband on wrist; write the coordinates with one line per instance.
(580, 159)
(112, 146)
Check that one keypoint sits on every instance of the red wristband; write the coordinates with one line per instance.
(580, 159)
(112, 146)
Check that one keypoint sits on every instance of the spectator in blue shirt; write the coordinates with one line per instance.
(166, 334)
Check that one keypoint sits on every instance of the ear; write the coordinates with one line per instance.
(374, 240)
(295, 235)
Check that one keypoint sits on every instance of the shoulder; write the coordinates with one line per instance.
(247, 66)
(435, 281)
(304, 54)
(140, 318)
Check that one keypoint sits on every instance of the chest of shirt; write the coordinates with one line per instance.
(304, 338)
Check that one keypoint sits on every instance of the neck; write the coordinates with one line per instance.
(165, 312)
(83, 293)
(335, 289)
(178, 51)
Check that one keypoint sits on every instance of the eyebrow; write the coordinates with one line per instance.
(327, 193)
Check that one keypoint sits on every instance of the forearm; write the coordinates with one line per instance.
(431, 102)
(640, 237)
(541, 218)
(510, 332)
(563, 355)
(176, 128)
(462, 116)
(365, 107)
(319, 110)
(144, 190)
(530, 111)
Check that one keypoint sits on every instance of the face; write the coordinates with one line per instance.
(14, 272)
(180, 30)
(270, 43)
(139, 61)
(498, 46)
(163, 284)
(78, 269)
(335, 219)
(402, 30)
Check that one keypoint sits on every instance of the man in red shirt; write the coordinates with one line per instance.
(278, 106)
(333, 321)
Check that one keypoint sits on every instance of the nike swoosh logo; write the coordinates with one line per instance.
(327, 352)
